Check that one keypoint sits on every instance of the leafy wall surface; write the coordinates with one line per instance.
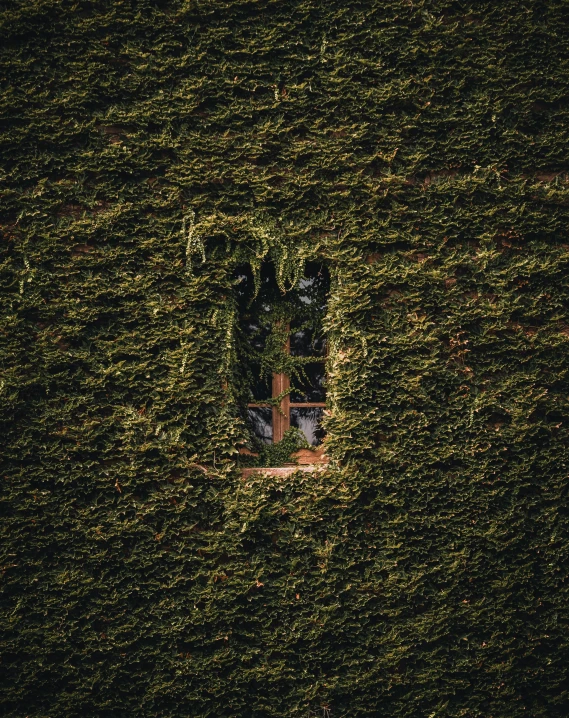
(419, 148)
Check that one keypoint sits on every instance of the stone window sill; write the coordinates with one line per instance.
(307, 461)
(280, 470)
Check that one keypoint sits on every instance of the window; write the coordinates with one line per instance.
(283, 349)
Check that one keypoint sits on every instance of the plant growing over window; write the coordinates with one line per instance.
(282, 347)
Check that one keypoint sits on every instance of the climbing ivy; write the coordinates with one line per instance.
(279, 453)
(418, 149)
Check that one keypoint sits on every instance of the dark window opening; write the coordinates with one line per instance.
(283, 349)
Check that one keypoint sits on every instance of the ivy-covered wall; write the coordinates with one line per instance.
(420, 149)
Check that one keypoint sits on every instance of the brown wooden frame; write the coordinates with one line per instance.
(281, 413)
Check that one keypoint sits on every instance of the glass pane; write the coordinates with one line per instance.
(261, 386)
(313, 287)
(311, 387)
(306, 343)
(309, 422)
(255, 333)
(262, 423)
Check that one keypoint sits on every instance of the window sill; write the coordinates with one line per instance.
(308, 461)
(282, 471)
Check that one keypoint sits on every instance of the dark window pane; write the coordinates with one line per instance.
(309, 422)
(314, 286)
(311, 387)
(261, 386)
(262, 423)
(243, 285)
(306, 343)
(255, 333)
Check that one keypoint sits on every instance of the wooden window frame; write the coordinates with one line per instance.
(281, 413)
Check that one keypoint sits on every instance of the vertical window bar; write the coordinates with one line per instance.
(281, 382)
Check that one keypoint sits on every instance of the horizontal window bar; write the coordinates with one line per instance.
(307, 404)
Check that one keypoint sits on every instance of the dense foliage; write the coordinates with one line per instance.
(419, 148)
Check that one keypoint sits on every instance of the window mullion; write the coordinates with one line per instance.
(281, 382)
